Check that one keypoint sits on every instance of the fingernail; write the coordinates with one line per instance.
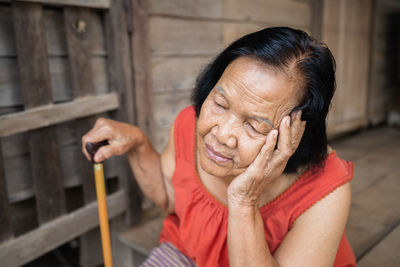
(288, 121)
(274, 133)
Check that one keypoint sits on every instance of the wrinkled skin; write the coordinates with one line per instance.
(238, 126)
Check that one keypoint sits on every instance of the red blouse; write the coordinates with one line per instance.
(200, 223)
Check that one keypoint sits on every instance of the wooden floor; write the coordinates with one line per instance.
(374, 223)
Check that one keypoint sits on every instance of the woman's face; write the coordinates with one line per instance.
(249, 100)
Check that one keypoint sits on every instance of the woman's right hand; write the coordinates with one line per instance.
(121, 137)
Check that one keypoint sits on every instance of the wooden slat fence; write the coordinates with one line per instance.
(67, 62)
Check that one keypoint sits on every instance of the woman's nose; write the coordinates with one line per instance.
(225, 133)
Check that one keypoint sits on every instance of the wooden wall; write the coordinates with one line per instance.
(61, 66)
(381, 92)
(15, 147)
(346, 29)
(185, 35)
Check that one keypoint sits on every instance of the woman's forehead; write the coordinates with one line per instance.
(257, 79)
(255, 86)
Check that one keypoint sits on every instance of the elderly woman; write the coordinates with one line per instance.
(247, 177)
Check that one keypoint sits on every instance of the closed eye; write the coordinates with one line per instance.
(252, 128)
(219, 105)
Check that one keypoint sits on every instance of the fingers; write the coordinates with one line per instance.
(284, 150)
(297, 129)
(98, 133)
(291, 131)
(266, 151)
(103, 153)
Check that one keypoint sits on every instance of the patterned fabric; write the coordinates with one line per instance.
(167, 255)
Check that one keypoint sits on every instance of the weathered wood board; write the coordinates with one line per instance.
(385, 253)
(172, 74)
(36, 91)
(5, 217)
(346, 30)
(33, 244)
(286, 12)
(376, 191)
(381, 92)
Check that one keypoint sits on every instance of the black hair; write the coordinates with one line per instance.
(285, 49)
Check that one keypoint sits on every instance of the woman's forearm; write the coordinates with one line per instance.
(246, 239)
(145, 163)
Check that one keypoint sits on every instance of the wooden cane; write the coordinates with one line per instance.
(101, 202)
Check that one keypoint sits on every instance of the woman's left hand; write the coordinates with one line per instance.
(246, 189)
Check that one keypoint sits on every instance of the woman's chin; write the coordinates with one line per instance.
(217, 169)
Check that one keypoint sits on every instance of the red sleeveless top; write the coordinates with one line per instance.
(200, 223)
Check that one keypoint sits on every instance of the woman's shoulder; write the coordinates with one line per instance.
(320, 182)
(187, 113)
(184, 132)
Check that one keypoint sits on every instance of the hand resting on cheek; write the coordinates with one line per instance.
(246, 189)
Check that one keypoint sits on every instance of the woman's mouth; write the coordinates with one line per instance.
(214, 155)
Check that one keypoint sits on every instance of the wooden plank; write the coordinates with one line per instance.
(316, 19)
(206, 9)
(360, 144)
(122, 255)
(104, 4)
(283, 13)
(370, 168)
(231, 31)
(90, 250)
(35, 81)
(5, 216)
(57, 113)
(27, 247)
(141, 65)
(24, 216)
(144, 236)
(36, 91)
(379, 96)
(385, 253)
(286, 12)
(374, 211)
(160, 139)
(18, 169)
(15, 145)
(181, 76)
(171, 36)
(346, 30)
(78, 22)
(340, 126)
(168, 106)
(7, 46)
(10, 88)
(46, 174)
(55, 26)
(19, 175)
(123, 69)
